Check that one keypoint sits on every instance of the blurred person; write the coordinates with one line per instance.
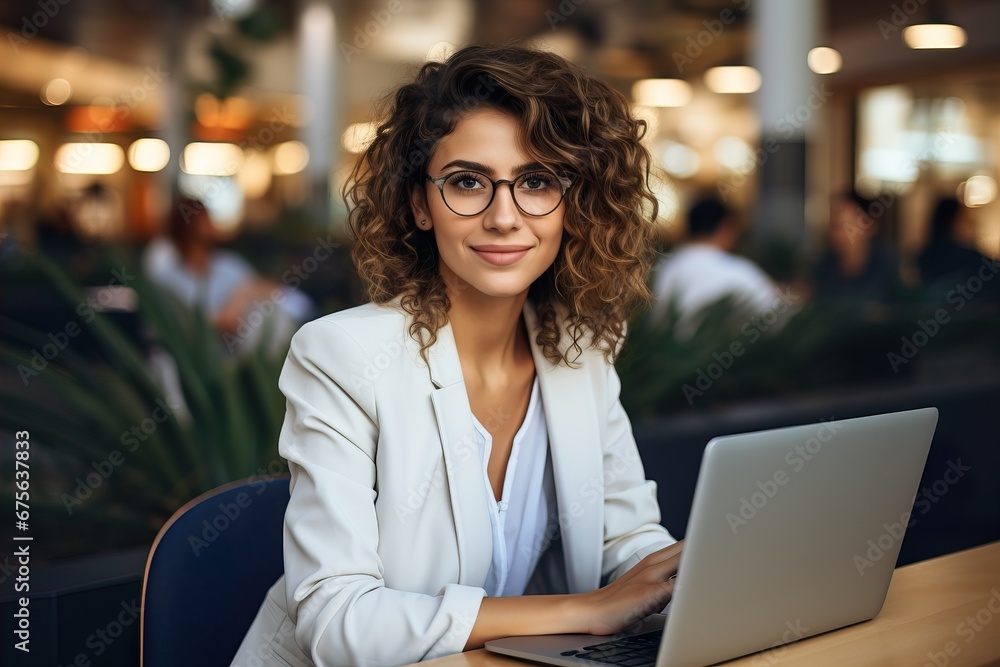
(238, 302)
(504, 229)
(948, 254)
(705, 270)
(856, 263)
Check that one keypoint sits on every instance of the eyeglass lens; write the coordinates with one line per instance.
(470, 193)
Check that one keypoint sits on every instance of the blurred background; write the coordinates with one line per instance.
(170, 213)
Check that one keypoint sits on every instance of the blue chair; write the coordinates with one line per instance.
(208, 571)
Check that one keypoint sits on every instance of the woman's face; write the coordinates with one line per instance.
(501, 251)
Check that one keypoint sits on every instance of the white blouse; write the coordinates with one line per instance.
(525, 516)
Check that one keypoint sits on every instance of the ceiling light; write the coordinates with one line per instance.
(934, 36)
(89, 158)
(979, 190)
(733, 79)
(18, 154)
(56, 92)
(211, 159)
(290, 157)
(148, 154)
(661, 92)
(824, 60)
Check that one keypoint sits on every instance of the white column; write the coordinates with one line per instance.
(787, 103)
(318, 82)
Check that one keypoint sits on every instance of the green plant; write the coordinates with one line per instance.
(835, 345)
(112, 456)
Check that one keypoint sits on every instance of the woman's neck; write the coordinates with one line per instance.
(489, 334)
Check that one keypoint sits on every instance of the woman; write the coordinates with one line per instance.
(221, 283)
(459, 442)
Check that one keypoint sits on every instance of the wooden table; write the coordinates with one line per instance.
(939, 612)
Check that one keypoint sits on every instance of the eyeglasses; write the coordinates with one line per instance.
(470, 193)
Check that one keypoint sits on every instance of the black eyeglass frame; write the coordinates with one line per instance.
(564, 181)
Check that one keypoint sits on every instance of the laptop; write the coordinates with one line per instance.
(793, 532)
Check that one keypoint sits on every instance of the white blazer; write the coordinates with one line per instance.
(387, 538)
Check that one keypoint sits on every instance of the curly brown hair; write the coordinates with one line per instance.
(571, 123)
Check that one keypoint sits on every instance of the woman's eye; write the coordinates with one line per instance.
(537, 181)
(465, 182)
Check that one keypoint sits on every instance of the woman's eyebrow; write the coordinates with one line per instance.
(488, 170)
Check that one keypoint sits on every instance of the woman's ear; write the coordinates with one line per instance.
(418, 206)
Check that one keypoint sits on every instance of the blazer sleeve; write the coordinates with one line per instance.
(632, 528)
(336, 595)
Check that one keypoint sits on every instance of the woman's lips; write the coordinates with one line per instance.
(499, 255)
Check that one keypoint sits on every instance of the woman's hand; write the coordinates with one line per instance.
(643, 590)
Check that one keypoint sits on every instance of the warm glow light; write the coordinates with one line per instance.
(734, 154)
(661, 92)
(934, 36)
(440, 52)
(824, 60)
(89, 158)
(255, 176)
(290, 157)
(357, 136)
(232, 113)
(211, 159)
(18, 154)
(680, 160)
(206, 109)
(56, 92)
(732, 79)
(148, 154)
(978, 191)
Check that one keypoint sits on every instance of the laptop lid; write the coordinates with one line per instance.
(793, 532)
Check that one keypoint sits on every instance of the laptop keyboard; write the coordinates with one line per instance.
(632, 651)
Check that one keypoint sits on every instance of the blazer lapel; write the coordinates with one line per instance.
(574, 445)
(463, 462)
(577, 463)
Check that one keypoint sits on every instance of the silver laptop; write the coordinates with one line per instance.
(793, 532)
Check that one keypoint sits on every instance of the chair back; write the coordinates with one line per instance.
(208, 572)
